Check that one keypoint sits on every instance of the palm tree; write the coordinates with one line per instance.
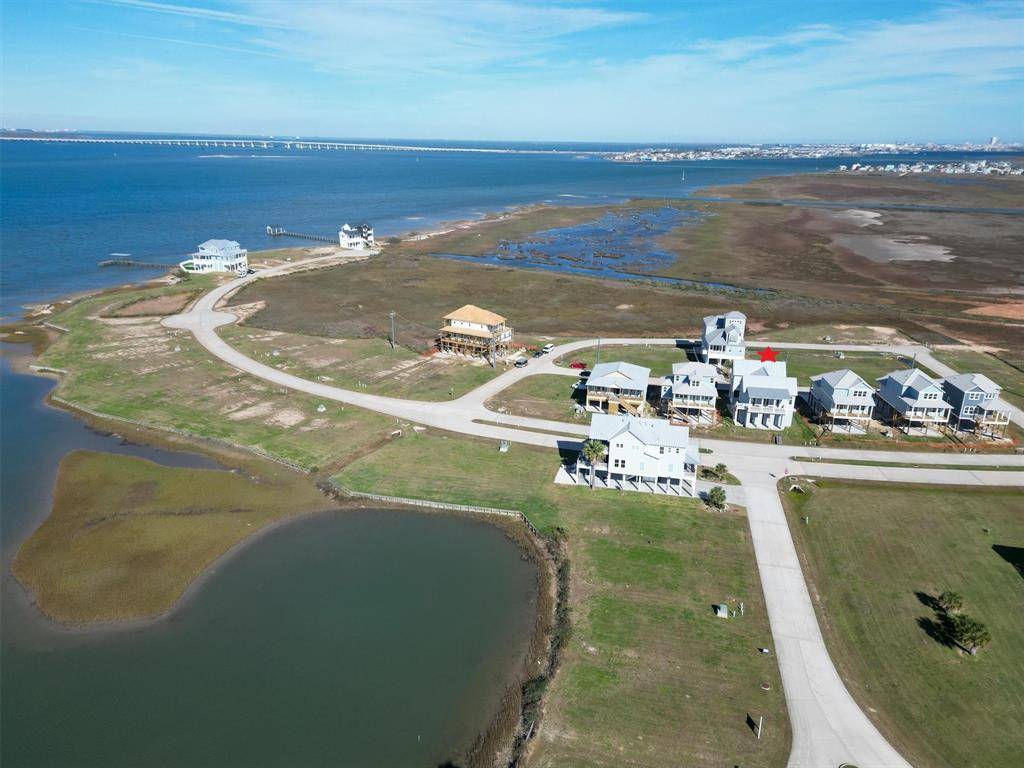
(593, 451)
(720, 470)
(950, 601)
(716, 497)
(970, 633)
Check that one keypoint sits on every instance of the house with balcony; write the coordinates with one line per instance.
(356, 237)
(691, 394)
(473, 331)
(618, 387)
(912, 401)
(218, 256)
(975, 405)
(647, 455)
(721, 339)
(761, 395)
(841, 401)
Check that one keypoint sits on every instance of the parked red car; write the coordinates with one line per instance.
(578, 364)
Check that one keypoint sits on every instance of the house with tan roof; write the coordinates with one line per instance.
(470, 330)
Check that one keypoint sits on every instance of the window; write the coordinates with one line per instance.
(661, 450)
(974, 396)
(619, 463)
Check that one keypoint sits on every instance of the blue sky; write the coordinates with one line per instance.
(773, 70)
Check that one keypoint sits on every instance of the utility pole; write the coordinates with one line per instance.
(392, 316)
(598, 352)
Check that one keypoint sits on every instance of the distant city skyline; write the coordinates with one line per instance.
(644, 72)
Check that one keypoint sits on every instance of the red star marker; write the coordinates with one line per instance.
(769, 355)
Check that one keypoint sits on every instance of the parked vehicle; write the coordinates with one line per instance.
(521, 362)
(547, 348)
(584, 373)
(578, 364)
(538, 353)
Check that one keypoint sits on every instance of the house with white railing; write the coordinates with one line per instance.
(648, 455)
(975, 405)
(218, 256)
(761, 395)
(356, 237)
(841, 401)
(721, 339)
(691, 394)
(911, 400)
(615, 387)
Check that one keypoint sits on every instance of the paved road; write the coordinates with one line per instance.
(828, 726)
(829, 729)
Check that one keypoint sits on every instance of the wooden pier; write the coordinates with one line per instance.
(134, 263)
(282, 232)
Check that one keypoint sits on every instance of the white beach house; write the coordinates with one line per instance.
(649, 455)
(356, 237)
(692, 393)
(841, 401)
(912, 400)
(218, 256)
(761, 395)
(722, 338)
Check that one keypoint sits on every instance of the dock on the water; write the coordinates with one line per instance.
(134, 263)
(282, 232)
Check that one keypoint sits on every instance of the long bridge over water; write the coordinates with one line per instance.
(288, 144)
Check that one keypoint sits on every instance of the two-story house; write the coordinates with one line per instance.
(649, 455)
(218, 256)
(722, 338)
(761, 395)
(841, 400)
(470, 330)
(911, 400)
(615, 387)
(975, 403)
(691, 394)
(356, 237)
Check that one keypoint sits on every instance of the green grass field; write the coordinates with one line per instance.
(126, 536)
(544, 396)
(804, 363)
(137, 369)
(370, 365)
(658, 357)
(651, 677)
(1011, 379)
(869, 551)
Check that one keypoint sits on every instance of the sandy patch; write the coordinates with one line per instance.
(245, 311)
(1010, 311)
(156, 306)
(882, 250)
(252, 412)
(859, 217)
(289, 417)
(623, 306)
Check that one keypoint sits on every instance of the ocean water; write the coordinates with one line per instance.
(65, 207)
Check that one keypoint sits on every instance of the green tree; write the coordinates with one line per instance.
(593, 451)
(970, 633)
(716, 497)
(950, 601)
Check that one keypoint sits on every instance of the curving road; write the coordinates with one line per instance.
(829, 728)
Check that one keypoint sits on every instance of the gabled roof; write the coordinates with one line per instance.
(757, 368)
(657, 432)
(769, 393)
(618, 374)
(841, 379)
(473, 314)
(693, 370)
(968, 382)
(911, 377)
(220, 245)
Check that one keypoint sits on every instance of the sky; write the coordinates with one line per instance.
(573, 70)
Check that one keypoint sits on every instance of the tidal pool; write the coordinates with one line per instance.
(348, 638)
